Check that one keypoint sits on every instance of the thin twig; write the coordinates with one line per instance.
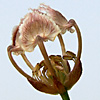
(14, 63)
(27, 62)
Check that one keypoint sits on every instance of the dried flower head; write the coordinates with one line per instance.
(52, 75)
(32, 25)
(59, 19)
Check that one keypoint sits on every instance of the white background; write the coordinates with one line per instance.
(14, 86)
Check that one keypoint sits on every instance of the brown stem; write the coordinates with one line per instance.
(9, 49)
(45, 55)
(79, 38)
(27, 62)
(62, 44)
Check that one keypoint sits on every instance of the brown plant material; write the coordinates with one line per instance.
(53, 75)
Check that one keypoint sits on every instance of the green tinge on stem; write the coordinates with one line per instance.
(65, 96)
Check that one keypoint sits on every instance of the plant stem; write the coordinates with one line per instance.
(65, 96)
(10, 50)
(27, 61)
(45, 55)
(71, 21)
(62, 44)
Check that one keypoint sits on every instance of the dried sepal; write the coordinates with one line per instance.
(74, 75)
(46, 88)
(39, 85)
